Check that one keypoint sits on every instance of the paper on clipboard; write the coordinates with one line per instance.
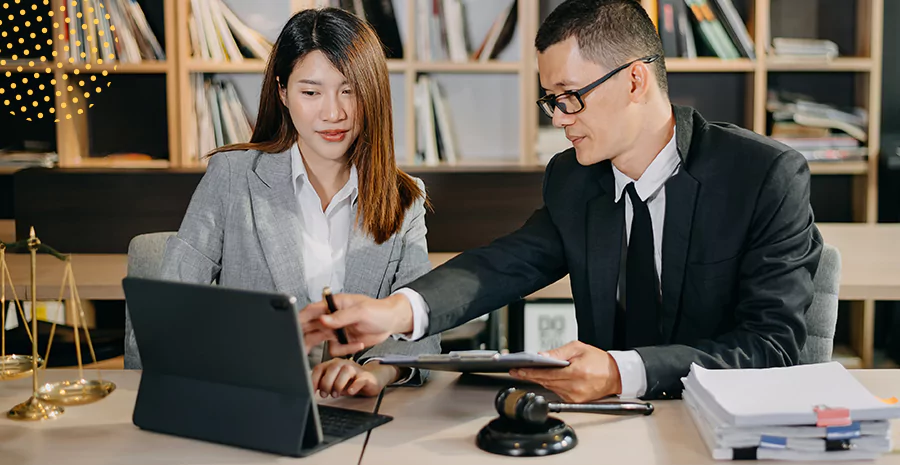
(474, 361)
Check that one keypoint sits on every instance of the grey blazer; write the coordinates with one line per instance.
(241, 230)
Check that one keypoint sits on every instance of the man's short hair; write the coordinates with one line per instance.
(609, 33)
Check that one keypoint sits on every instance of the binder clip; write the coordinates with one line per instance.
(832, 416)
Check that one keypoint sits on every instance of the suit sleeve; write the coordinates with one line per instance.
(413, 264)
(481, 280)
(194, 254)
(775, 288)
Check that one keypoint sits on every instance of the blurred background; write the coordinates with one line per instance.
(103, 139)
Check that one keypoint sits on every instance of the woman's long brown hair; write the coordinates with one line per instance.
(385, 192)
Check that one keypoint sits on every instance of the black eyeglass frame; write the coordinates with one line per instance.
(552, 99)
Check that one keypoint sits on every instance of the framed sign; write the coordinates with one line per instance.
(548, 325)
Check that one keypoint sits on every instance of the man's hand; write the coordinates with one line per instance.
(341, 377)
(366, 321)
(592, 373)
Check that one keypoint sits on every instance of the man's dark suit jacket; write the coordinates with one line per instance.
(740, 249)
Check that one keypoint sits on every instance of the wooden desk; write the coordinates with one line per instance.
(437, 424)
(102, 433)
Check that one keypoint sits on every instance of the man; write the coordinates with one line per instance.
(685, 241)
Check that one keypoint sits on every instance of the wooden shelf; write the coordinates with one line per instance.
(108, 163)
(206, 66)
(839, 167)
(146, 67)
(255, 66)
(709, 65)
(468, 67)
(858, 64)
(397, 66)
(38, 67)
(149, 67)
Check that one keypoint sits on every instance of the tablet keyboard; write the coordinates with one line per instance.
(345, 423)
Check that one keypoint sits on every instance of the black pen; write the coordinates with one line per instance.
(341, 335)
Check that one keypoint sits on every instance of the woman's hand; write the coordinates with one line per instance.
(341, 377)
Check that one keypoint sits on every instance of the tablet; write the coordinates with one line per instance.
(475, 361)
(229, 366)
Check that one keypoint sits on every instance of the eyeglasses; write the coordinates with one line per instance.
(571, 102)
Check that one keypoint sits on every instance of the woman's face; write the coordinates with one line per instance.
(323, 108)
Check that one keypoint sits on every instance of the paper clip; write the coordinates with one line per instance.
(832, 416)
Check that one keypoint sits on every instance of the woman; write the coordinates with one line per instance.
(315, 199)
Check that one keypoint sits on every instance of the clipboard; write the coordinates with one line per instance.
(474, 361)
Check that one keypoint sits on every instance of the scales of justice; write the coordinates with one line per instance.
(47, 400)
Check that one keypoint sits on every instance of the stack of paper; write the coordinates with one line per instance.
(808, 412)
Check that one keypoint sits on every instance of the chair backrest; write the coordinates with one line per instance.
(821, 318)
(145, 254)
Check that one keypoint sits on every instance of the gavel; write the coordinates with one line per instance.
(527, 406)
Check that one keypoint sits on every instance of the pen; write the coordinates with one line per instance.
(326, 294)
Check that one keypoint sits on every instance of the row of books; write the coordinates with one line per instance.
(444, 32)
(109, 31)
(378, 13)
(218, 117)
(819, 131)
(16, 159)
(436, 137)
(717, 23)
(804, 48)
(217, 34)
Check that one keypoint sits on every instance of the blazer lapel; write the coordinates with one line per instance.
(366, 262)
(277, 218)
(681, 197)
(605, 224)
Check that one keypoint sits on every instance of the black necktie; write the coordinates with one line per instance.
(642, 299)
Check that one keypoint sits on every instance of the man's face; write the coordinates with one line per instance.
(603, 128)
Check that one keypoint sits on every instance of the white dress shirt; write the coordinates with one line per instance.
(325, 234)
(649, 189)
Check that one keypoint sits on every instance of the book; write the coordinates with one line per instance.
(735, 27)
(712, 30)
(802, 110)
(668, 28)
(380, 14)
(805, 48)
(218, 34)
(499, 35)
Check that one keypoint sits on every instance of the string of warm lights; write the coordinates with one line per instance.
(20, 95)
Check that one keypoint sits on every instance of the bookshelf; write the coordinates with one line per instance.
(73, 135)
(516, 75)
